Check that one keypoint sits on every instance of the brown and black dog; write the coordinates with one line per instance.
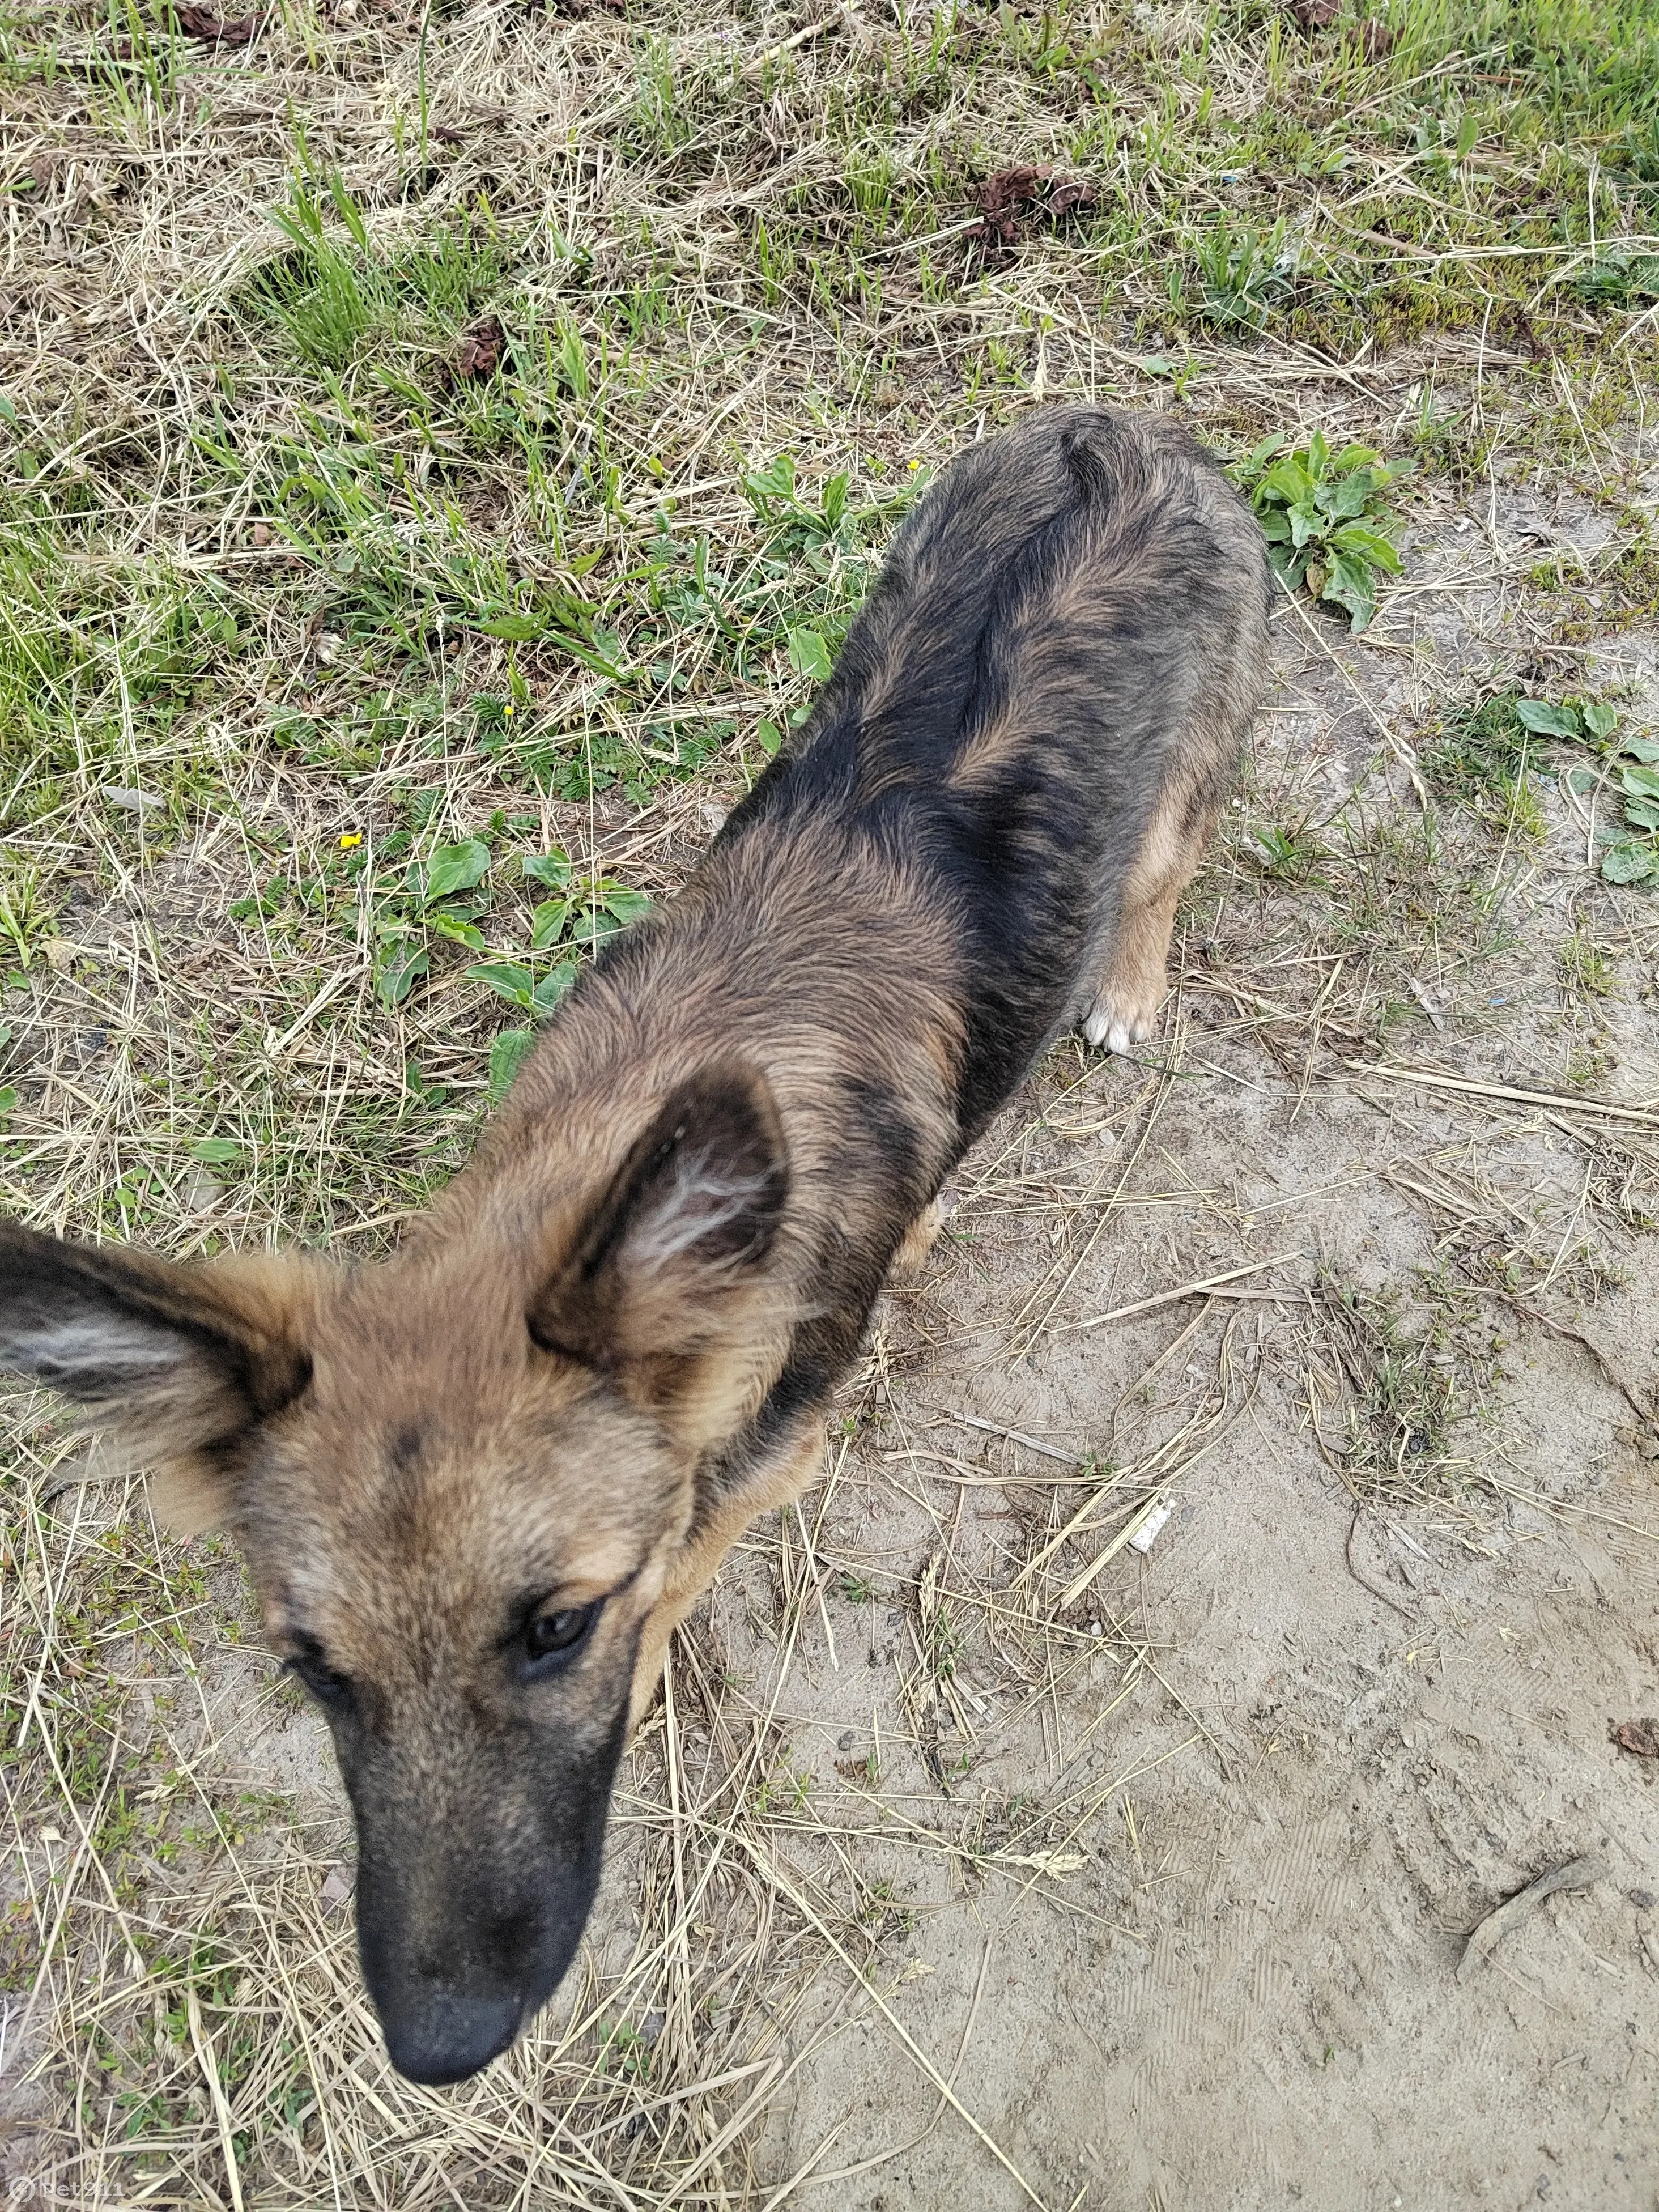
(479, 1483)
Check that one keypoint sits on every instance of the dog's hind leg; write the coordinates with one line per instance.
(1133, 979)
(920, 1239)
(774, 1484)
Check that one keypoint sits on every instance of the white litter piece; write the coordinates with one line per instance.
(1146, 1535)
(1427, 1000)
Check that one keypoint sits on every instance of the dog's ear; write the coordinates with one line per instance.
(667, 1275)
(176, 1364)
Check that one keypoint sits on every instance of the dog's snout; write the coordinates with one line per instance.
(471, 1904)
(438, 2034)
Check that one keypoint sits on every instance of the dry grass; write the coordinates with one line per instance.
(291, 601)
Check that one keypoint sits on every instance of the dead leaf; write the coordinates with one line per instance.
(1576, 1874)
(213, 30)
(999, 199)
(338, 1886)
(1067, 195)
(1002, 199)
(1513, 326)
(1641, 1737)
(447, 133)
(481, 350)
(1314, 15)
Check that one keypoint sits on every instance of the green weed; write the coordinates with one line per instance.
(1245, 273)
(1629, 774)
(1619, 278)
(577, 920)
(1486, 758)
(1585, 967)
(1288, 855)
(1328, 524)
(26, 915)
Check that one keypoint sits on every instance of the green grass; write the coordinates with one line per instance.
(1489, 757)
(1406, 1397)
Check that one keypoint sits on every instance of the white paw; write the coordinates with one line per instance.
(1109, 1025)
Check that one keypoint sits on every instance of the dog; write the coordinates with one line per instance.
(477, 1483)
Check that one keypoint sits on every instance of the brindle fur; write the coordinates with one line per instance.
(611, 1343)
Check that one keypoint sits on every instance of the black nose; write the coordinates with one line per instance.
(444, 2035)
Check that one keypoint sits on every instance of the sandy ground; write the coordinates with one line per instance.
(1247, 1995)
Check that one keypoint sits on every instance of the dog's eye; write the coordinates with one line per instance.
(558, 1634)
(323, 1684)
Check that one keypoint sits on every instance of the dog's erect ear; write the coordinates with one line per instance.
(672, 1256)
(176, 1363)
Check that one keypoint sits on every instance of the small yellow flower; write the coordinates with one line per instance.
(352, 837)
(915, 464)
(509, 710)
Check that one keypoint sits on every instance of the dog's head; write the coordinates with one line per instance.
(460, 1480)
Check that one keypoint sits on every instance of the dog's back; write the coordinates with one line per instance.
(1056, 669)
